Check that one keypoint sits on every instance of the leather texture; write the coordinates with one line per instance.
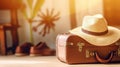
(73, 49)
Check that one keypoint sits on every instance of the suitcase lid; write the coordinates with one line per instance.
(77, 39)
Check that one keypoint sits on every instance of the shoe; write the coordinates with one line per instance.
(41, 49)
(23, 49)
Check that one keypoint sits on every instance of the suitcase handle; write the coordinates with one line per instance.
(104, 60)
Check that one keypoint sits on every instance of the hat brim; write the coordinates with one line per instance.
(111, 37)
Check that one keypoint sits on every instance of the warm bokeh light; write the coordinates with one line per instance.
(88, 7)
(11, 4)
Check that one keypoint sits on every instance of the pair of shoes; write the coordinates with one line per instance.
(41, 49)
(23, 49)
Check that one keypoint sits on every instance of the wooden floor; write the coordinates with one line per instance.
(42, 61)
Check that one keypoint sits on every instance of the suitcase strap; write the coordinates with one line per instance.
(99, 59)
(104, 60)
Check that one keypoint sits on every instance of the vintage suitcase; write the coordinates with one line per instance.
(73, 49)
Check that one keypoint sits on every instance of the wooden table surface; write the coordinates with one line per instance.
(42, 61)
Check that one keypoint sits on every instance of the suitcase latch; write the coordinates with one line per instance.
(89, 53)
(80, 45)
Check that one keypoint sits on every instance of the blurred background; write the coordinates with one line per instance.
(20, 20)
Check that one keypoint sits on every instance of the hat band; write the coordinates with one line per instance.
(94, 33)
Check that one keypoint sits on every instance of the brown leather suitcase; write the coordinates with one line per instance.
(73, 49)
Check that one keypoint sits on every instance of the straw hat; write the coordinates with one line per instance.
(95, 30)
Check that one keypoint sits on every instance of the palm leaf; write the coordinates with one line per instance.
(42, 15)
(57, 14)
(52, 26)
(48, 30)
(24, 13)
(41, 23)
(52, 11)
(30, 3)
(37, 7)
(47, 12)
(23, 10)
(56, 18)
